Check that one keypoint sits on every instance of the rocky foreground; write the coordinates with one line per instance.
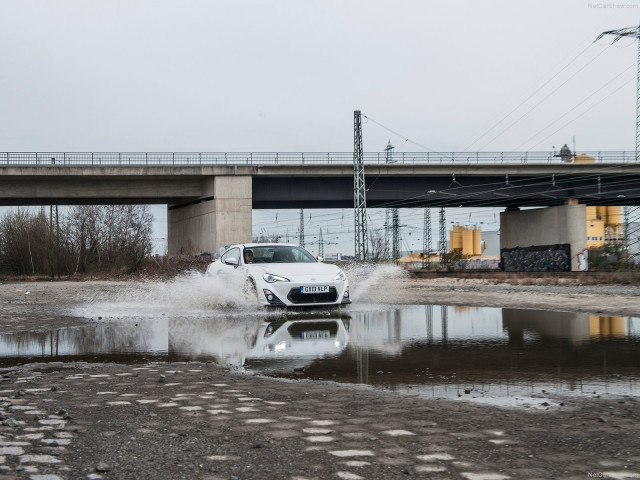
(195, 420)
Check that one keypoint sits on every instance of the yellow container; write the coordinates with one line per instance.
(455, 238)
(614, 216)
(477, 241)
(592, 213)
(467, 241)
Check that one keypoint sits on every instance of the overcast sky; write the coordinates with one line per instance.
(286, 75)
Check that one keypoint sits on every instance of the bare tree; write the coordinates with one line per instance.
(87, 238)
(377, 246)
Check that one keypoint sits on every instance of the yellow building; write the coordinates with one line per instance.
(466, 240)
(604, 223)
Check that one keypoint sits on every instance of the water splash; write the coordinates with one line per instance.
(188, 294)
(363, 276)
(195, 294)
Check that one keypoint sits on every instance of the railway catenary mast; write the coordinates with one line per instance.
(359, 190)
(629, 32)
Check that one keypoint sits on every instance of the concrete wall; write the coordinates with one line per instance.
(219, 219)
(545, 226)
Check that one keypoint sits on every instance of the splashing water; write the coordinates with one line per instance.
(189, 294)
(195, 294)
(363, 276)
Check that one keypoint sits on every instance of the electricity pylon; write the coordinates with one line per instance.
(629, 32)
(359, 190)
(426, 239)
(301, 238)
(442, 244)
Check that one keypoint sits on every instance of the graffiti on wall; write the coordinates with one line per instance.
(538, 258)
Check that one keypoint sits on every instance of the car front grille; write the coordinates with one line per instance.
(296, 297)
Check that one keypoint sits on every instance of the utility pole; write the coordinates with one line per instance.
(359, 190)
(630, 32)
(426, 239)
(320, 245)
(392, 213)
(396, 235)
(301, 237)
(442, 244)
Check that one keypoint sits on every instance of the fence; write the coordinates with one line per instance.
(291, 158)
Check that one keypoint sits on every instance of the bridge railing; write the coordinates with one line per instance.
(291, 158)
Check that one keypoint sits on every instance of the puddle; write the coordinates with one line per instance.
(506, 357)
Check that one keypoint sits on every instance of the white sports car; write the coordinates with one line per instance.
(285, 275)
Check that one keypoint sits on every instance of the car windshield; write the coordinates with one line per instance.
(281, 254)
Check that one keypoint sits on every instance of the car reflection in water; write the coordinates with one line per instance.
(285, 344)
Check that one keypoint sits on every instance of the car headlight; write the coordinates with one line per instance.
(270, 278)
(340, 276)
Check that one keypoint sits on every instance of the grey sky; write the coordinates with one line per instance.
(284, 75)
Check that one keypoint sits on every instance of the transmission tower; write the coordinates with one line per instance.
(392, 213)
(387, 232)
(426, 239)
(630, 32)
(302, 227)
(320, 245)
(442, 244)
(359, 190)
(395, 254)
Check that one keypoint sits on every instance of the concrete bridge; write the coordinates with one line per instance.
(210, 197)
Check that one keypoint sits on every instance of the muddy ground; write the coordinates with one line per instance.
(199, 420)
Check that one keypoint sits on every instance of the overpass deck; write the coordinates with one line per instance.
(328, 185)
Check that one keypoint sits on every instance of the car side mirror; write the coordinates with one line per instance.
(231, 261)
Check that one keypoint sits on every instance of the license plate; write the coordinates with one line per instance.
(316, 335)
(314, 289)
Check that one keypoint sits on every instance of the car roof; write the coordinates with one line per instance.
(254, 245)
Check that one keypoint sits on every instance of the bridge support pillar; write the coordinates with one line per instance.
(546, 226)
(221, 217)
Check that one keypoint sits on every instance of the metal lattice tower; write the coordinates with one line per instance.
(625, 223)
(320, 245)
(630, 32)
(387, 232)
(395, 244)
(426, 239)
(392, 214)
(359, 190)
(442, 244)
(301, 237)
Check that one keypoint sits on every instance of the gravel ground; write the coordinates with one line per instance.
(201, 421)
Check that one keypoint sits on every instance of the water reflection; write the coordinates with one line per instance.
(457, 352)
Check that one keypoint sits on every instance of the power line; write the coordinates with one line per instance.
(536, 105)
(399, 135)
(588, 97)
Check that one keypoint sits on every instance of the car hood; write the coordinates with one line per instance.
(294, 269)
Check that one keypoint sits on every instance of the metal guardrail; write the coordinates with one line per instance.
(291, 158)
